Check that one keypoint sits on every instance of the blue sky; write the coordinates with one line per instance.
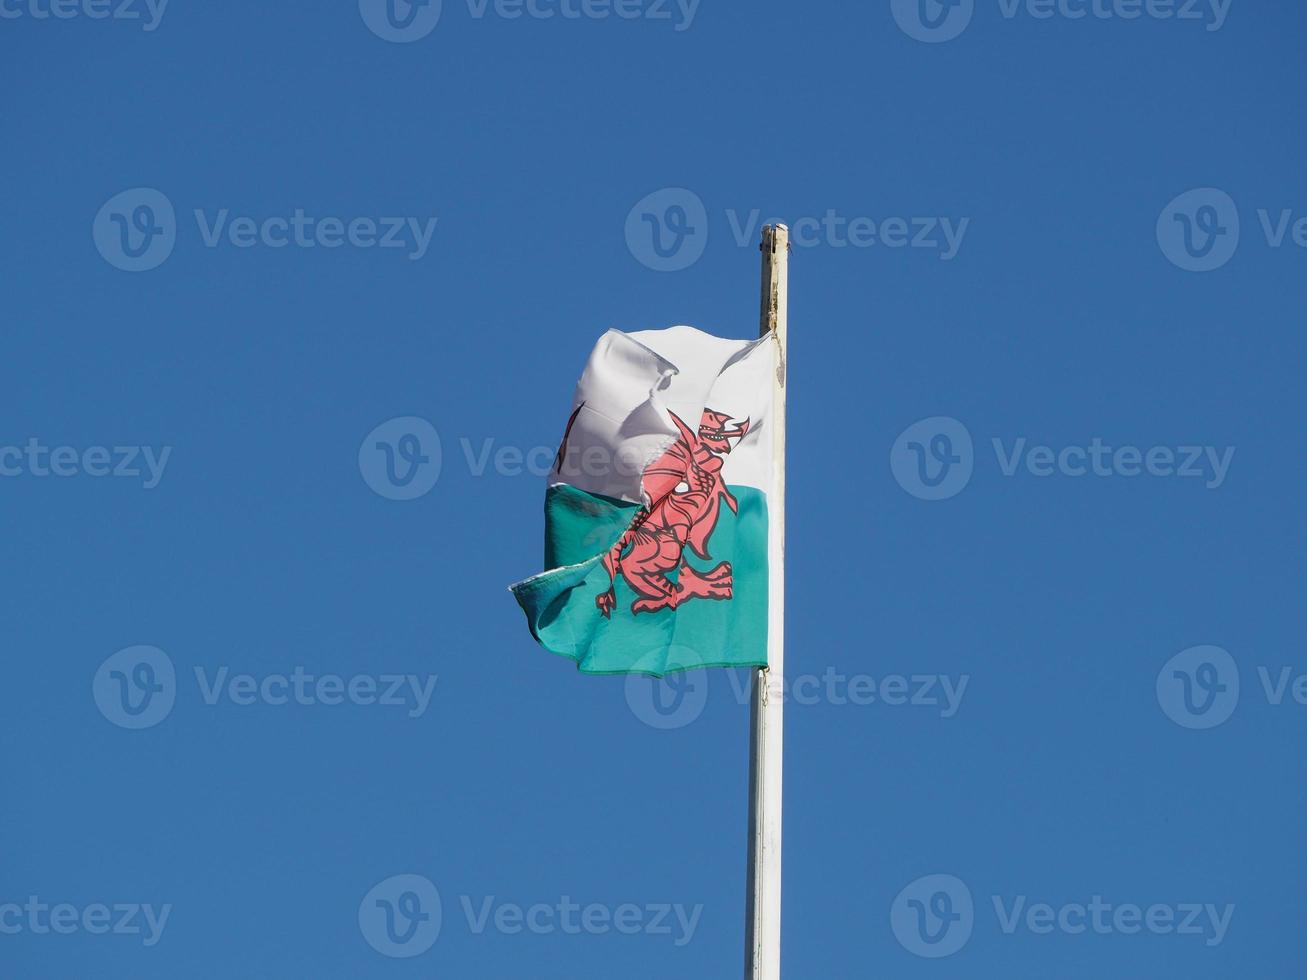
(1046, 545)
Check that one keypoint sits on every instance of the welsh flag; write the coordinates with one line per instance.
(656, 508)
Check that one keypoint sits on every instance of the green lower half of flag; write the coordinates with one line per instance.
(720, 614)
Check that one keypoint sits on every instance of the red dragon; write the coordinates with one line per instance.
(686, 491)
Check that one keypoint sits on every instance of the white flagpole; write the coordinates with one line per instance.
(763, 918)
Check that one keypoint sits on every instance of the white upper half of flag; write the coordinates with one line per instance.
(634, 383)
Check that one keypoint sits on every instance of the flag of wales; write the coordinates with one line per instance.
(656, 508)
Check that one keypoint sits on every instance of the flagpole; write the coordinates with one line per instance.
(763, 917)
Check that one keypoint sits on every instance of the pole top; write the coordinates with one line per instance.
(775, 248)
(774, 236)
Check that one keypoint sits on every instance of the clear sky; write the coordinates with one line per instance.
(1010, 319)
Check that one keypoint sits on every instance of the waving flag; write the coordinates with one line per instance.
(656, 509)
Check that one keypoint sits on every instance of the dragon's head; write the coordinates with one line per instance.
(714, 434)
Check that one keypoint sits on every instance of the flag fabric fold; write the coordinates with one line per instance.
(656, 508)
